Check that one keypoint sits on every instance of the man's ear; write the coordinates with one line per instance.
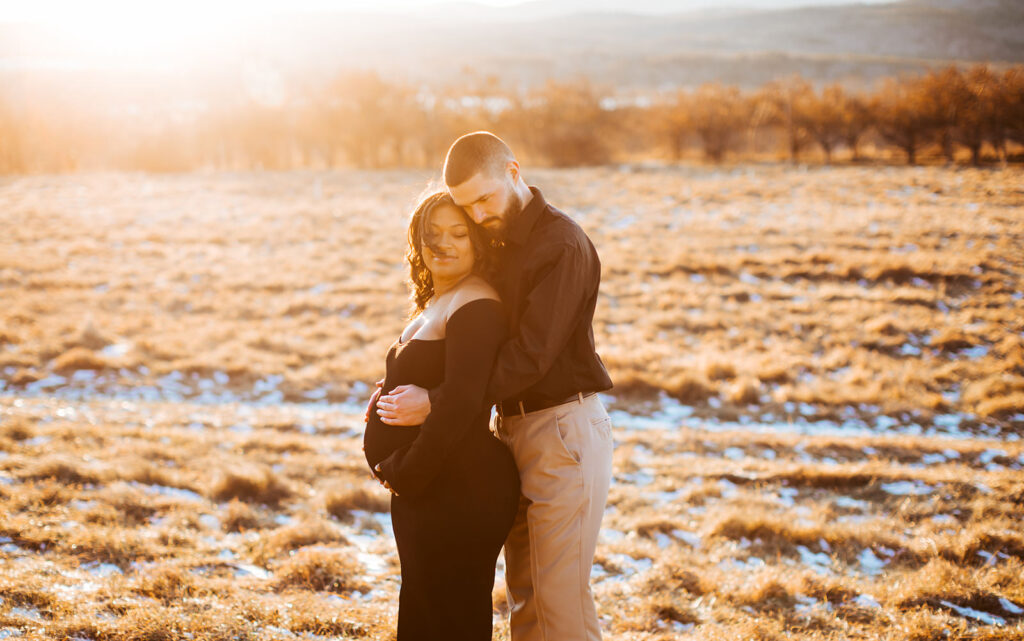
(512, 167)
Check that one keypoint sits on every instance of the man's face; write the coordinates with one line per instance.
(490, 200)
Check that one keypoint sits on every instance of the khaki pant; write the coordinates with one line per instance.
(564, 456)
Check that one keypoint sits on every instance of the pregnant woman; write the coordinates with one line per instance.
(454, 485)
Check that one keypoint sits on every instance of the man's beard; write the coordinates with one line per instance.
(499, 232)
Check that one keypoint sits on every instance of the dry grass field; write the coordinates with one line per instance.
(818, 410)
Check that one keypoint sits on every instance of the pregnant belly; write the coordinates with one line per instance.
(380, 440)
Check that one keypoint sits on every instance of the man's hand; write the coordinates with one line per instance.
(404, 405)
(373, 400)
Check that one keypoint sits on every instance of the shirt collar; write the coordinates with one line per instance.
(521, 224)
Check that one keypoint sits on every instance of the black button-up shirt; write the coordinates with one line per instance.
(548, 277)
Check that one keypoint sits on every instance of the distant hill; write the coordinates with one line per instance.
(647, 48)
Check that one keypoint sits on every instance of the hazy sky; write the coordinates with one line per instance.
(221, 10)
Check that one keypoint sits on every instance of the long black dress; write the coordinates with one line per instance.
(457, 484)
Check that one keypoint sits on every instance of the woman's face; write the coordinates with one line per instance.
(448, 232)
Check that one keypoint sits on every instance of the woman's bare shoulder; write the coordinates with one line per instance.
(472, 289)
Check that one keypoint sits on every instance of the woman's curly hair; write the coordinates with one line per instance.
(420, 279)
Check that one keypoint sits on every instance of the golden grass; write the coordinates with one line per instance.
(744, 292)
(62, 468)
(293, 537)
(166, 583)
(78, 358)
(320, 570)
(340, 502)
(256, 484)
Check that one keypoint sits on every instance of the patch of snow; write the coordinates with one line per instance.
(630, 566)
(116, 350)
(690, 538)
(250, 570)
(96, 568)
(869, 563)
(817, 561)
(884, 422)
(977, 615)
(787, 496)
(662, 498)
(907, 488)
(734, 453)
(974, 353)
(52, 380)
(748, 564)
(807, 604)
(988, 456)
(1010, 606)
(641, 478)
(384, 520)
(316, 394)
(851, 503)
(174, 492)
(867, 601)
(209, 521)
(375, 564)
(728, 488)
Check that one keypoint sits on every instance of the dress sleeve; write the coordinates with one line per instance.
(473, 334)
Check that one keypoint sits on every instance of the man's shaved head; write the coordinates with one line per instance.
(478, 152)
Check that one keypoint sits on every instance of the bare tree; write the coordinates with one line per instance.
(372, 119)
(945, 99)
(1009, 111)
(719, 115)
(976, 96)
(570, 125)
(781, 103)
(857, 119)
(674, 123)
(903, 116)
(824, 117)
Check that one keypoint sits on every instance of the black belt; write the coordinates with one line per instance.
(511, 408)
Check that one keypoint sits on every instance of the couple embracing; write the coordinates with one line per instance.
(504, 287)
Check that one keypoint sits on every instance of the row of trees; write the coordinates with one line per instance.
(942, 110)
(362, 120)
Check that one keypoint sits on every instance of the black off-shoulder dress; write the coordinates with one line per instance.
(457, 484)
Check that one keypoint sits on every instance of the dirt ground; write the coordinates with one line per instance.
(818, 405)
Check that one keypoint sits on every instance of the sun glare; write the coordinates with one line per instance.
(141, 31)
(138, 28)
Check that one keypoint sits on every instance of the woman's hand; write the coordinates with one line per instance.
(404, 405)
(373, 400)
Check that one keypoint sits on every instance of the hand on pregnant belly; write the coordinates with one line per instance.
(404, 405)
